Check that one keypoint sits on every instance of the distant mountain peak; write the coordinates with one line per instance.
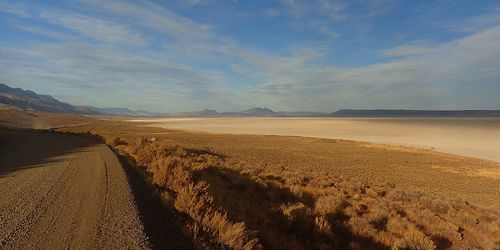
(209, 112)
(258, 111)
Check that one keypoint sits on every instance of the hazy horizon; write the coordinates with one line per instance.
(286, 55)
(441, 134)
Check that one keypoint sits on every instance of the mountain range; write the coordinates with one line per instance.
(29, 100)
(256, 111)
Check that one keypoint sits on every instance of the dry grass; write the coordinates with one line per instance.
(414, 239)
(268, 209)
(245, 192)
(329, 205)
(172, 169)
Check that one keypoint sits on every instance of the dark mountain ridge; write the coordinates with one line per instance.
(411, 113)
(29, 100)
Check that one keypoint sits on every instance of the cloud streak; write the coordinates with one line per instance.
(146, 55)
(457, 74)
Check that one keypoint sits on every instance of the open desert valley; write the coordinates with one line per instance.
(466, 136)
(250, 189)
(250, 125)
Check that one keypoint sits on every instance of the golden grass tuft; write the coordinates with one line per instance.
(330, 204)
(413, 239)
(297, 213)
(322, 226)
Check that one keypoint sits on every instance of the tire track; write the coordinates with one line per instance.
(68, 192)
(33, 208)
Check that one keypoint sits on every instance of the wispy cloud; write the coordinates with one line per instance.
(475, 23)
(325, 15)
(407, 50)
(154, 16)
(14, 9)
(144, 54)
(442, 75)
(95, 28)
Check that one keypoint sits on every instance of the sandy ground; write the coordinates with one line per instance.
(64, 191)
(472, 137)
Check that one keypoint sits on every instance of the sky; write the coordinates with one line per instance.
(229, 55)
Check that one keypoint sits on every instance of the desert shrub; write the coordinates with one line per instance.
(330, 204)
(322, 226)
(413, 239)
(371, 193)
(170, 169)
(352, 187)
(297, 190)
(297, 213)
(439, 207)
(168, 199)
(180, 178)
(238, 237)
(435, 225)
(397, 225)
(162, 169)
(496, 245)
(233, 235)
(378, 219)
(463, 217)
(360, 226)
(406, 195)
(205, 161)
(445, 229)
(193, 200)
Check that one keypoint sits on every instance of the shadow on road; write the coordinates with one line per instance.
(161, 225)
(21, 149)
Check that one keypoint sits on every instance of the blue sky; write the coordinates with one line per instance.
(316, 55)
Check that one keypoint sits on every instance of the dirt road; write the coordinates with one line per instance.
(60, 191)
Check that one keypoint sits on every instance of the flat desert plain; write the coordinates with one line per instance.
(472, 137)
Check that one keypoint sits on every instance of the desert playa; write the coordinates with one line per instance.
(471, 137)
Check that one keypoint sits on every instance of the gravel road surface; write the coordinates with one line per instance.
(60, 191)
